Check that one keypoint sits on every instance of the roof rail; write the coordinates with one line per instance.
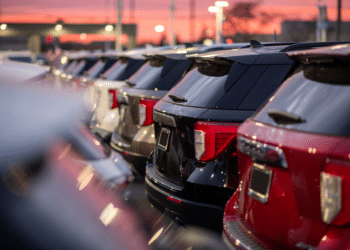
(309, 45)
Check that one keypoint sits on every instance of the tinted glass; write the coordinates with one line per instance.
(145, 75)
(270, 80)
(324, 107)
(205, 91)
(170, 74)
(25, 59)
(89, 63)
(93, 71)
(113, 71)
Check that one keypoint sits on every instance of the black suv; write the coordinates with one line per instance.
(134, 136)
(194, 169)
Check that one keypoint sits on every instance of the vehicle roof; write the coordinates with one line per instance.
(17, 72)
(240, 55)
(138, 52)
(30, 117)
(340, 52)
(250, 55)
(176, 53)
(222, 46)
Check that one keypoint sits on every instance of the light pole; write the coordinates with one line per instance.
(172, 26)
(218, 9)
(118, 26)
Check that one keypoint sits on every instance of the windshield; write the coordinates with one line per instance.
(323, 107)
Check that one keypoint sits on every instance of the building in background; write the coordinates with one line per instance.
(35, 35)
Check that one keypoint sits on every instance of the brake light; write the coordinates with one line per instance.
(335, 192)
(211, 139)
(112, 99)
(146, 111)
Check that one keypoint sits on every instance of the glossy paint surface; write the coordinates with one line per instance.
(292, 215)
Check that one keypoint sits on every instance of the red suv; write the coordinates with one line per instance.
(294, 161)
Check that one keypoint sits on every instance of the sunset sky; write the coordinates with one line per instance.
(149, 13)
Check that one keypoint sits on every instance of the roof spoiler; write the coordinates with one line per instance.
(310, 45)
(255, 44)
(326, 55)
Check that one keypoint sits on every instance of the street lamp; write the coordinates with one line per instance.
(3, 26)
(218, 9)
(109, 27)
(58, 27)
(159, 28)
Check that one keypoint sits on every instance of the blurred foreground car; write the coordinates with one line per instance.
(294, 161)
(194, 169)
(52, 199)
(18, 73)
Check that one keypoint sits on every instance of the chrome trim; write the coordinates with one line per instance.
(233, 235)
(152, 176)
(259, 150)
(164, 119)
(160, 146)
(256, 195)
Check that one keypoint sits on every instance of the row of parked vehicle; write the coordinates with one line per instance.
(246, 138)
(60, 187)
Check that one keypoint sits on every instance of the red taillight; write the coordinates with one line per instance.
(146, 111)
(335, 192)
(212, 139)
(112, 98)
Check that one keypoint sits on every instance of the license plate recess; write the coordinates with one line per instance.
(163, 140)
(260, 183)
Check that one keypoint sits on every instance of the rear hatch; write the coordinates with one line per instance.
(218, 90)
(146, 87)
(299, 142)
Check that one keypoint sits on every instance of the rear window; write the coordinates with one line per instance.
(243, 87)
(158, 75)
(113, 71)
(93, 71)
(322, 107)
(123, 69)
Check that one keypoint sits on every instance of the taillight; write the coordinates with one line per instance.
(335, 192)
(211, 139)
(146, 111)
(271, 155)
(112, 99)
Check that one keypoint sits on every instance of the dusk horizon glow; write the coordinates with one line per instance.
(151, 13)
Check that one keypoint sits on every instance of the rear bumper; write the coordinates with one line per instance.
(189, 212)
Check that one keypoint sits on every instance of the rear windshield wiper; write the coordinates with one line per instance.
(281, 117)
(176, 98)
(130, 83)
